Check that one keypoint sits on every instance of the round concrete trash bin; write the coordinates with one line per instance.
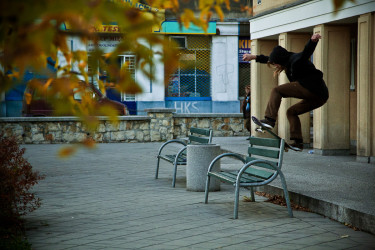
(199, 158)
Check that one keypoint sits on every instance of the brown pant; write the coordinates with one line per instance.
(309, 102)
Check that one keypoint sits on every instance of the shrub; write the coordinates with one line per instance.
(16, 180)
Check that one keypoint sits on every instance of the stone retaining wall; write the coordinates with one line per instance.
(158, 125)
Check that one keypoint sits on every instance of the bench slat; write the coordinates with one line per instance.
(170, 158)
(259, 173)
(231, 177)
(193, 138)
(225, 176)
(200, 131)
(245, 178)
(263, 152)
(261, 164)
(266, 142)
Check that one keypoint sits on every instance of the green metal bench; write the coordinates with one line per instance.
(197, 136)
(260, 167)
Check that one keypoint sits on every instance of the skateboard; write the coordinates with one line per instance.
(264, 129)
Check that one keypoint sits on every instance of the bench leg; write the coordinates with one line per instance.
(252, 194)
(174, 174)
(207, 189)
(286, 194)
(157, 168)
(236, 201)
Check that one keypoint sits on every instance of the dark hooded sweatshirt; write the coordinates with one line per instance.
(299, 68)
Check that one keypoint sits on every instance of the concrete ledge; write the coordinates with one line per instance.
(69, 118)
(361, 220)
(366, 159)
(332, 151)
(200, 115)
(160, 110)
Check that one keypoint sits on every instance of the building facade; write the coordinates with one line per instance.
(345, 55)
(213, 81)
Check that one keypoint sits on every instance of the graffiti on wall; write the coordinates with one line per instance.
(225, 74)
(186, 107)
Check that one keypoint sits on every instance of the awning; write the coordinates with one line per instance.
(173, 27)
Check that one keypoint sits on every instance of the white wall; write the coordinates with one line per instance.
(224, 63)
(309, 14)
(156, 91)
(74, 44)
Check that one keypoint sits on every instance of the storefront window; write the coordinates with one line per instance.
(128, 61)
(192, 79)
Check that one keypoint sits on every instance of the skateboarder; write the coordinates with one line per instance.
(306, 83)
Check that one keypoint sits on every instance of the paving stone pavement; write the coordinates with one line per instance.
(107, 198)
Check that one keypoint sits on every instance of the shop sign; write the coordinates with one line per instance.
(105, 43)
(174, 27)
(138, 5)
(113, 27)
(244, 47)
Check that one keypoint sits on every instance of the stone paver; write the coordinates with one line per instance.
(108, 199)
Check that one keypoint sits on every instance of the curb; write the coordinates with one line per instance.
(363, 221)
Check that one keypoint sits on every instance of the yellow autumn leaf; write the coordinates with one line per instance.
(67, 151)
(15, 74)
(107, 55)
(227, 4)
(169, 4)
(82, 65)
(91, 122)
(185, 21)
(176, 4)
(89, 143)
(47, 84)
(129, 86)
(219, 12)
(110, 112)
(80, 55)
(205, 14)
(28, 98)
(101, 86)
(187, 17)
(205, 3)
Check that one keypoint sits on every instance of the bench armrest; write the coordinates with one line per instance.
(251, 163)
(179, 153)
(234, 155)
(170, 142)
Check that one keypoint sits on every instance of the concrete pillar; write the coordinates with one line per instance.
(294, 43)
(366, 87)
(331, 122)
(199, 158)
(262, 81)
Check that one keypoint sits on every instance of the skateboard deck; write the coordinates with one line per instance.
(264, 129)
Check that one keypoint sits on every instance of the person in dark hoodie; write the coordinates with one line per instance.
(306, 83)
